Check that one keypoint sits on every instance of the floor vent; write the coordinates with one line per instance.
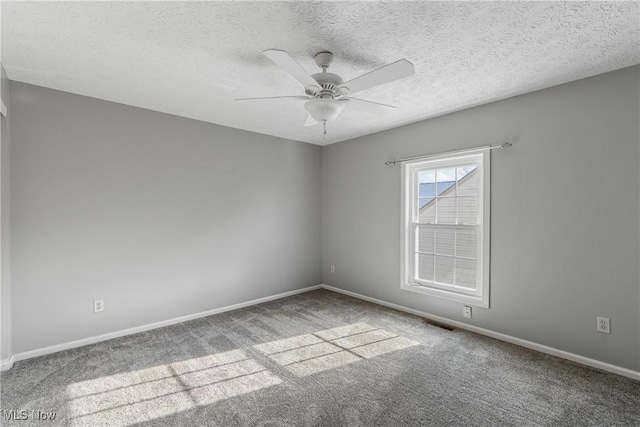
(439, 325)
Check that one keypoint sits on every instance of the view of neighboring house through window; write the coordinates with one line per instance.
(446, 227)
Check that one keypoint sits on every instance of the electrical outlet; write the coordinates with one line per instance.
(466, 312)
(98, 305)
(333, 268)
(604, 325)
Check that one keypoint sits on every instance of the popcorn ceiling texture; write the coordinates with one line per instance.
(194, 58)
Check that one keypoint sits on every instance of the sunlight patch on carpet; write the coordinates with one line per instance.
(146, 394)
(323, 350)
(133, 397)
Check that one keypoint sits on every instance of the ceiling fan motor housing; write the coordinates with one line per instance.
(328, 83)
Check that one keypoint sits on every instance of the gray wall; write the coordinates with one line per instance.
(5, 283)
(158, 215)
(162, 216)
(564, 214)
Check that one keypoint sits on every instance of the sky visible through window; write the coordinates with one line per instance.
(436, 181)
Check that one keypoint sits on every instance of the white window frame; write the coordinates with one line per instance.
(409, 180)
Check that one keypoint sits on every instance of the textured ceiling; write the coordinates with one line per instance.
(193, 59)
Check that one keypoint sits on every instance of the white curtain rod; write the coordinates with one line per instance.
(505, 144)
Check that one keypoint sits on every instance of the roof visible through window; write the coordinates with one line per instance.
(429, 186)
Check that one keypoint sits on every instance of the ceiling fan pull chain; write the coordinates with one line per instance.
(324, 135)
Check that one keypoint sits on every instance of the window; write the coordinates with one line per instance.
(445, 227)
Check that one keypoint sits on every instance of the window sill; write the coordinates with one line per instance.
(475, 301)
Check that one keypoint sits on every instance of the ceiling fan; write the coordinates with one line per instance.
(326, 93)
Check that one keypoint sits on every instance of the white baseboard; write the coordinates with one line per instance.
(6, 363)
(91, 340)
(497, 335)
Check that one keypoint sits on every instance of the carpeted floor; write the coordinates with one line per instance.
(318, 358)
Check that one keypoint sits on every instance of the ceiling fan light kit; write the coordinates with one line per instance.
(328, 94)
(324, 109)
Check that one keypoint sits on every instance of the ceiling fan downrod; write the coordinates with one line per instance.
(323, 60)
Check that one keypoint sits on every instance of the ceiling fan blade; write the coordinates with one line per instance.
(386, 74)
(369, 106)
(285, 61)
(273, 97)
(310, 121)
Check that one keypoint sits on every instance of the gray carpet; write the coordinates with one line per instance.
(318, 358)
